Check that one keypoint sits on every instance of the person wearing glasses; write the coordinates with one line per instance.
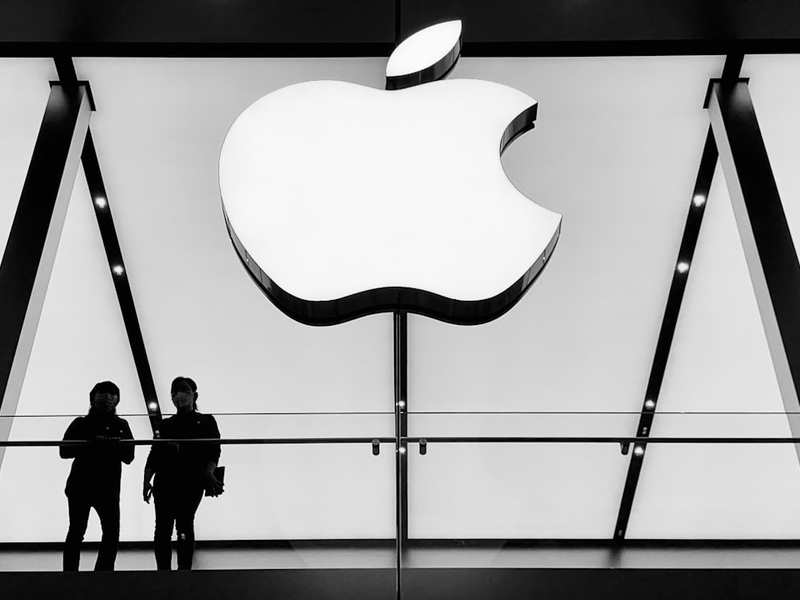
(95, 476)
(183, 473)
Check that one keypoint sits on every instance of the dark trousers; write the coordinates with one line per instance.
(176, 506)
(107, 507)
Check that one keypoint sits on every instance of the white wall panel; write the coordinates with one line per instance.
(615, 150)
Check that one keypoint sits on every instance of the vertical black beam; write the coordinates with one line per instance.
(116, 264)
(33, 241)
(401, 432)
(767, 241)
(691, 233)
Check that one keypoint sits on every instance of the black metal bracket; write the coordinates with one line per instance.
(714, 80)
(82, 83)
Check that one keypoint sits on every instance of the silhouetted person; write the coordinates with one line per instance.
(183, 472)
(95, 476)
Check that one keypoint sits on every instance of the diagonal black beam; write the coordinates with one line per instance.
(764, 232)
(691, 232)
(671, 312)
(33, 240)
(400, 336)
(116, 264)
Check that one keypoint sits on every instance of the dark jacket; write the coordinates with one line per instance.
(182, 464)
(97, 467)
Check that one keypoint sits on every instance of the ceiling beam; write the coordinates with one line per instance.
(35, 233)
(764, 231)
(680, 277)
(327, 28)
(116, 264)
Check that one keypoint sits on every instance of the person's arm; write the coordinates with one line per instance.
(126, 451)
(147, 487)
(150, 469)
(76, 432)
(214, 487)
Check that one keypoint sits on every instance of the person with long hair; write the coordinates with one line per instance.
(183, 473)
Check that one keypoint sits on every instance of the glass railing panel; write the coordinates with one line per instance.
(300, 504)
(487, 489)
(304, 492)
(464, 491)
(521, 423)
(489, 505)
(51, 427)
(306, 424)
(718, 491)
(598, 424)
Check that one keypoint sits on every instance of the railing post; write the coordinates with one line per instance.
(401, 432)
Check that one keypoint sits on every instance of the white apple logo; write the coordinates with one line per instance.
(343, 200)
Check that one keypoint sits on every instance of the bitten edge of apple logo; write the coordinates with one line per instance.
(407, 299)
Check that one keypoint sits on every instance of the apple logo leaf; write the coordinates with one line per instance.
(343, 200)
(428, 55)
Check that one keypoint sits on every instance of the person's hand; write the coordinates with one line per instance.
(147, 491)
(173, 446)
(214, 487)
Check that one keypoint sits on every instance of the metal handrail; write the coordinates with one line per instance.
(426, 440)
(442, 412)
(232, 441)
